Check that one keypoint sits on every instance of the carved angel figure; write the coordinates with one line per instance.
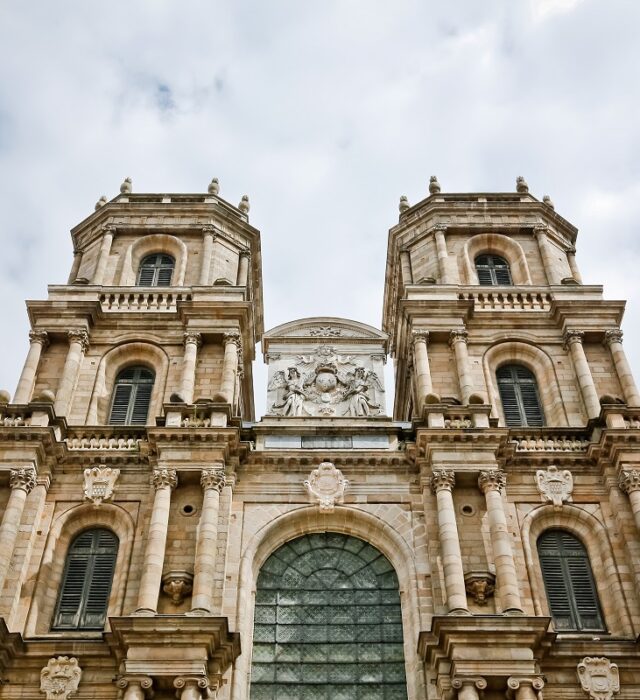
(356, 393)
(294, 394)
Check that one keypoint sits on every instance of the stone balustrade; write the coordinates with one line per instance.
(102, 439)
(131, 299)
(560, 443)
(508, 301)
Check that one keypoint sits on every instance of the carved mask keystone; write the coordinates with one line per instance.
(326, 486)
(599, 677)
(60, 678)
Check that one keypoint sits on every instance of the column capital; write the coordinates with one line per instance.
(164, 477)
(209, 230)
(612, 336)
(192, 337)
(458, 335)
(182, 682)
(232, 337)
(476, 681)
(144, 682)
(540, 230)
(629, 480)
(443, 479)
(108, 229)
(213, 478)
(571, 336)
(515, 683)
(79, 335)
(23, 478)
(440, 227)
(420, 337)
(492, 480)
(245, 253)
(38, 336)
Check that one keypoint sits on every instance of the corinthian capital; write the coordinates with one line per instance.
(164, 477)
(612, 336)
(420, 337)
(193, 338)
(629, 480)
(232, 337)
(37, 336)
(79, 335)
(492, 480)
(443, 479)
(572, 336)
(458, 335)
(213, 479)
(24, 479)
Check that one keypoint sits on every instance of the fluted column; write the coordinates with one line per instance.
(38, 342)
(244, 258)
(547, 255)
(421, 366)
(629, 482)
(573, 343)
(613, 339)
(164, 481)
(441, 252)
(458, 342)
(212, 481)
(103, 255)
(232, 346)
(208, 237)
(78, 345)
(192, 341)
(491, 483)
(442, 483)
(573, 265)
(21, 482)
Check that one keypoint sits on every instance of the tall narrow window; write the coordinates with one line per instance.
(156, 270)
(328, 624)
(519, 394)
(493, 270)
(87, 579)
(571, 591)
(132, 396)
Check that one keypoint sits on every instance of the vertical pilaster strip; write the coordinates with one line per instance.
(38, 342)
(192, 341)
(613, 338)
(573, 343)
(78, 345)
(21, 482)
(164, 481)
(491, 483)
(458, 343)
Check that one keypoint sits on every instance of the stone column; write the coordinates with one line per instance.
(573, 265)
(164, 481)
(441, 252)
(547, 255)
(244, 258)
(208, 236)
(75, 266)
(78, 344)
(421, 365)
(468, 688)
(613, 339)
(524, 688)
(573, 343)
(191, 687)
(458, 343)
(232, 344)
(629, 481)
(134, 687)
(405, 267)
(491, 483)
(192, 341)
(21, 482)
(38, 342)
(103, 255)
(442, 483)
(212, 481)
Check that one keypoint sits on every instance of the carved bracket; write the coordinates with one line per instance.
(481, 585)
(177, 585)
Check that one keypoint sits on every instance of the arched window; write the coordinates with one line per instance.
(131, 396)
(86, 583)
(568, 580)
(493, 270)
(519, 394)
(328, 623)
(156, 270)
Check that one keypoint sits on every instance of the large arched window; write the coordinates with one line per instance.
(519, 394)
(86, 583)
(571, 591)
(493, 270)
(156, 270)
(328, 623)
(131, 396)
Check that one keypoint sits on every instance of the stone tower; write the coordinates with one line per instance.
(477, 539)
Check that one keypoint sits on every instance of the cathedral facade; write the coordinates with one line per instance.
(480, 540)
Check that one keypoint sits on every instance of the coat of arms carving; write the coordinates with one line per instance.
(555, 486)
(99, 483)
(599, 677)
(60, 678)
(326, 486)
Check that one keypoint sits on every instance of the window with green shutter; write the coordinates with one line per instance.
(156, 270)
(568, 580)
(131, 396)
(86, 582)
(493, 271)
(519, 395)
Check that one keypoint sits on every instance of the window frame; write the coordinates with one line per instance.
(158, 266)
(496, 264)
(135, 383)
(527, 417)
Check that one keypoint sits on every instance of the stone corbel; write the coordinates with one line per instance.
(481, 585)
(177, 585)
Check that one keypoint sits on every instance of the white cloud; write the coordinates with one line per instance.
(545, 9)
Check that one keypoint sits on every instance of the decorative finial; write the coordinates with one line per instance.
(434, 185)
(547, 200)
(125, 187)
(101, 202)
(244, 204)
(5, 396)
(214, 186)
(521, 185)
(404, 204)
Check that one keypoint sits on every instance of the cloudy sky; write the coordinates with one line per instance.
(324, 113)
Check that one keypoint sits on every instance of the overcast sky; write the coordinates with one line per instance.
(324, 114)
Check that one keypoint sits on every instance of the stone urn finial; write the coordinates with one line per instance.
(126, 186)
(214, 186)
(244, 204)
(404, 204)
(101, 202)
(548, 201)
(5, 396)
(434, 185)
(521, 185)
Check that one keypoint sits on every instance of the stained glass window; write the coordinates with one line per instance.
(328, 623)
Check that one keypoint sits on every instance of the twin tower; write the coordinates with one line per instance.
(480, 540)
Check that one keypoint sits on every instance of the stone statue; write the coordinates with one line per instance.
(359, 403)
(294, 394)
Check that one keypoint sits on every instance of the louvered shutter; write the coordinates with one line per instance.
(145, 276)
(120, 404)
(99, 584)
(156, 270)
(164, 276)
(519, 395)
(503, 274)
(510, 404)
(132, 396)
(531, 405)
(553, 574)
(493, 270)
(140, 409)
(484, 276)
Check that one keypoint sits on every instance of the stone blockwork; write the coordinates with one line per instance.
(202, 496)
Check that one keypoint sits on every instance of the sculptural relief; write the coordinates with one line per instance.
(599, 677)
(326, 486)
(555, 486)
(60, 678)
